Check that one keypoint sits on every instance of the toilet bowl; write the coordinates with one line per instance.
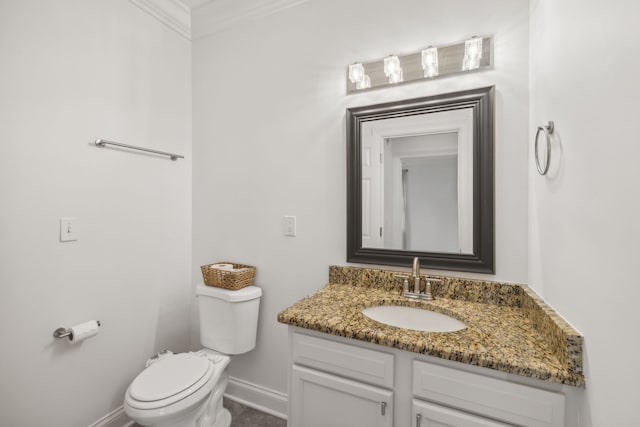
(176, 389)
(186, 389)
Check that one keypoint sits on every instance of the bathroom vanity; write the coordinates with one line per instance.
(515, 364)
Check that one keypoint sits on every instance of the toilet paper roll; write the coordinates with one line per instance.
(83, 331)
(222, 266)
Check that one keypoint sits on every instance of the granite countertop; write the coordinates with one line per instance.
(509, 328)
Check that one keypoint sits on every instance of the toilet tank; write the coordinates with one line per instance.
(228, 319)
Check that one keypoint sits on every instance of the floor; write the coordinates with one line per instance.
(243, 416)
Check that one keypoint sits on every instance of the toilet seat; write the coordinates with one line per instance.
(171, 379)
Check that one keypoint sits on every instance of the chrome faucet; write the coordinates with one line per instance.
(415, 274)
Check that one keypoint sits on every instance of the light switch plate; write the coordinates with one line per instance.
(68, 230)
(289, 225)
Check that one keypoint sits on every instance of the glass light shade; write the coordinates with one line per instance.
(430, 61)
(392, 69)
(365, 83)
(472, 53)
(356, 73)
(396, 77)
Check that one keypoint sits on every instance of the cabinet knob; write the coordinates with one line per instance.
(383, 408)
(418, 418)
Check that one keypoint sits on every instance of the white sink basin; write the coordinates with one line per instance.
(417, 319)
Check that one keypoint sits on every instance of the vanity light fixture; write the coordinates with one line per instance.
(430, 61)
(392, 69)
(472, 53)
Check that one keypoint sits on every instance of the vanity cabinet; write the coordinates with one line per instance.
(339, 382)
(333, 385)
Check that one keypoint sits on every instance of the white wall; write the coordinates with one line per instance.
(269, 140)
(74, 71)
(584, 227)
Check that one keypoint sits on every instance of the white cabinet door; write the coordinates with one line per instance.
(319, 399)
(427, 414)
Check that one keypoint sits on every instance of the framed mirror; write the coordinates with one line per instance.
(420, 182)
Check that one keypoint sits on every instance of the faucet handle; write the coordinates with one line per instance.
(429, 279)
(427, 287)
(405, 281)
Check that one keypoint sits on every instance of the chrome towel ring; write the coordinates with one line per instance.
(548, 131)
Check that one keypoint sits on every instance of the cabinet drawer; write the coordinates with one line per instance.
(491, 397)
(349, 361)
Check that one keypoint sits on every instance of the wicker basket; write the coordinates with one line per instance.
(228, 279)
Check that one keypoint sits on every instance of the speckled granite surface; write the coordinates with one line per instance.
(509, 328)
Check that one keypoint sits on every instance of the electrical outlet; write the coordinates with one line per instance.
(68, 232)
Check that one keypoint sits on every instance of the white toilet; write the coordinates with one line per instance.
(185, 389)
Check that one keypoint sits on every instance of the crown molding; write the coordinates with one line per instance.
(218, 15)
(173, 13)
(210, 16)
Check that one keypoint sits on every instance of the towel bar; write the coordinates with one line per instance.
(104, 142)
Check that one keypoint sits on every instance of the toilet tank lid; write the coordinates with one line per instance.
(243, 294)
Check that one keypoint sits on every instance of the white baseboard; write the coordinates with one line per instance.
(257, 397)
(115, 418)
(249, 394)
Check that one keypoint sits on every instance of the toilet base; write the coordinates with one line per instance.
(216, 415)
(223, 419)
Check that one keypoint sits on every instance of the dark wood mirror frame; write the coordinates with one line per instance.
(482, 260)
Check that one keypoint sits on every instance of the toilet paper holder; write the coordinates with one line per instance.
(64, 332)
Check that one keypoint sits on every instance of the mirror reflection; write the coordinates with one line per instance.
(420, 182)
(417, 183)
